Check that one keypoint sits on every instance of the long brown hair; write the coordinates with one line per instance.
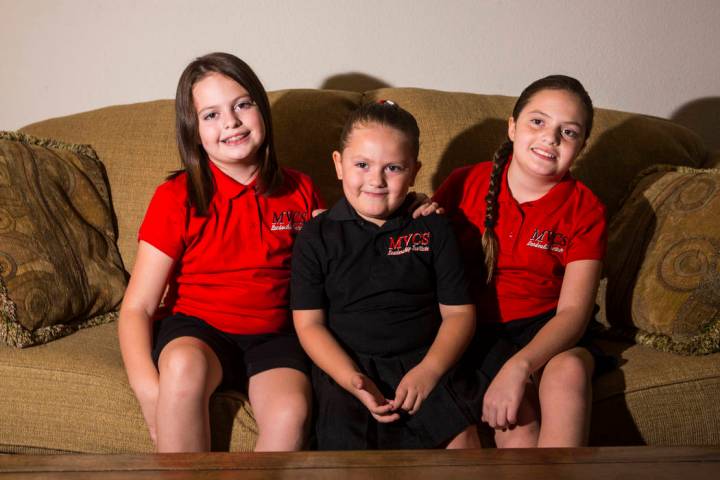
(200, 185)
(552, 82)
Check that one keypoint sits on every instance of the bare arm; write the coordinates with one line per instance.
(560, 333)
(327, 354)
(453, 337)
(577, 297)
(423, 206)
(144, 292)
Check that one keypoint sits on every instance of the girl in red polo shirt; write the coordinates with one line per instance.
(541, 235)
(215, 245)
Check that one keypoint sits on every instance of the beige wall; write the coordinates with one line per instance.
(651, 56)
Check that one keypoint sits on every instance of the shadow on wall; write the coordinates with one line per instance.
(613, 160)
(703, 117)
(353, 82)
(475, 144)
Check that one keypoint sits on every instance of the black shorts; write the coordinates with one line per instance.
(241, 356)
(495, 343)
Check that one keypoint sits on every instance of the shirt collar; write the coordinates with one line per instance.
(342, 211)
(555, 197)
(228, 187)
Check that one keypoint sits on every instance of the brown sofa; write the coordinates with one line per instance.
(72, 395)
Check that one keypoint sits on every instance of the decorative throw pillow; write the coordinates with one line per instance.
(663, 262)
(60, 269)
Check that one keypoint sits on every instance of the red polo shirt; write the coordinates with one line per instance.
(536, 240)
(233, 267)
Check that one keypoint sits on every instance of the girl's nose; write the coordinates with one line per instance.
(552, 136)
(376, 178)
(232, 121)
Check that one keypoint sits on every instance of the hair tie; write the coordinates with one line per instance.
(489, 223)
(387, 102)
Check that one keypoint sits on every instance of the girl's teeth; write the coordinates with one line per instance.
(233, 139)
(544, 154)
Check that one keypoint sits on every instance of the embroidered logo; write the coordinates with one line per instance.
(288, 220)
(548, 240)
(412, 242)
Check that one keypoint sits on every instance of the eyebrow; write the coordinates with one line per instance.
(548, 116)
(214, 107)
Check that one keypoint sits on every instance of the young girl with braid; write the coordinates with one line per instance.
(533, 238)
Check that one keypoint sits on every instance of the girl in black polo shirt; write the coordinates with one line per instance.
(380, 302)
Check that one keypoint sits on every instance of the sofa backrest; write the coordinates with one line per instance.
(137, 143)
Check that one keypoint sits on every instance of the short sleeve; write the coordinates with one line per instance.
(589, 240)
(307, 281)
(317, 200)
(164, 224)
(452, 287)
(449, 194)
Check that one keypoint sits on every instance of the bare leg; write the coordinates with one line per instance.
(280, 399)
(565, 399)
(468, 438)
(189, 373)
(525, 433)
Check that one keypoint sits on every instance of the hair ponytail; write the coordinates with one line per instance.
(388, 114)
(489, 238)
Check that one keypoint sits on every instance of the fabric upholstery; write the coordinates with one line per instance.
(656, 398)
(72, 395)
(137, 146)
(663, 262)
(60, 269)
(653, 398)
(713, 160)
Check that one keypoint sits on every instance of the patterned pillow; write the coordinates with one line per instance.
(663, 262)
(60, 269)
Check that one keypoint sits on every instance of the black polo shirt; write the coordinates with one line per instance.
(380, 286)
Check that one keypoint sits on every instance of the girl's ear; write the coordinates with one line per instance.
(337, 160)
(511, 129)
(416, 168)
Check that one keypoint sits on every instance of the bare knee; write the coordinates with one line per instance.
(281, 400)
(290, 413)
(569, 371)
(188, 370)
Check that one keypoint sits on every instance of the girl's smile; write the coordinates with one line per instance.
(547, 136)
(230, 125)
(376, 169)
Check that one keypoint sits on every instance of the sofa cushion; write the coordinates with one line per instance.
(72, 395)
(656, 398)
(60, 269)
(663, 261)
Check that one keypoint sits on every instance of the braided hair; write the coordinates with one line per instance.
(553, 82)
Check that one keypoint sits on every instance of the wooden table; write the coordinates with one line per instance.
(636, 463)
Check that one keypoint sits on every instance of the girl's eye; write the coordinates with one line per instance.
(361, 164)
(210, 116)
(394, 168)
(244, 105)
(536, 121)
(570, 133)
